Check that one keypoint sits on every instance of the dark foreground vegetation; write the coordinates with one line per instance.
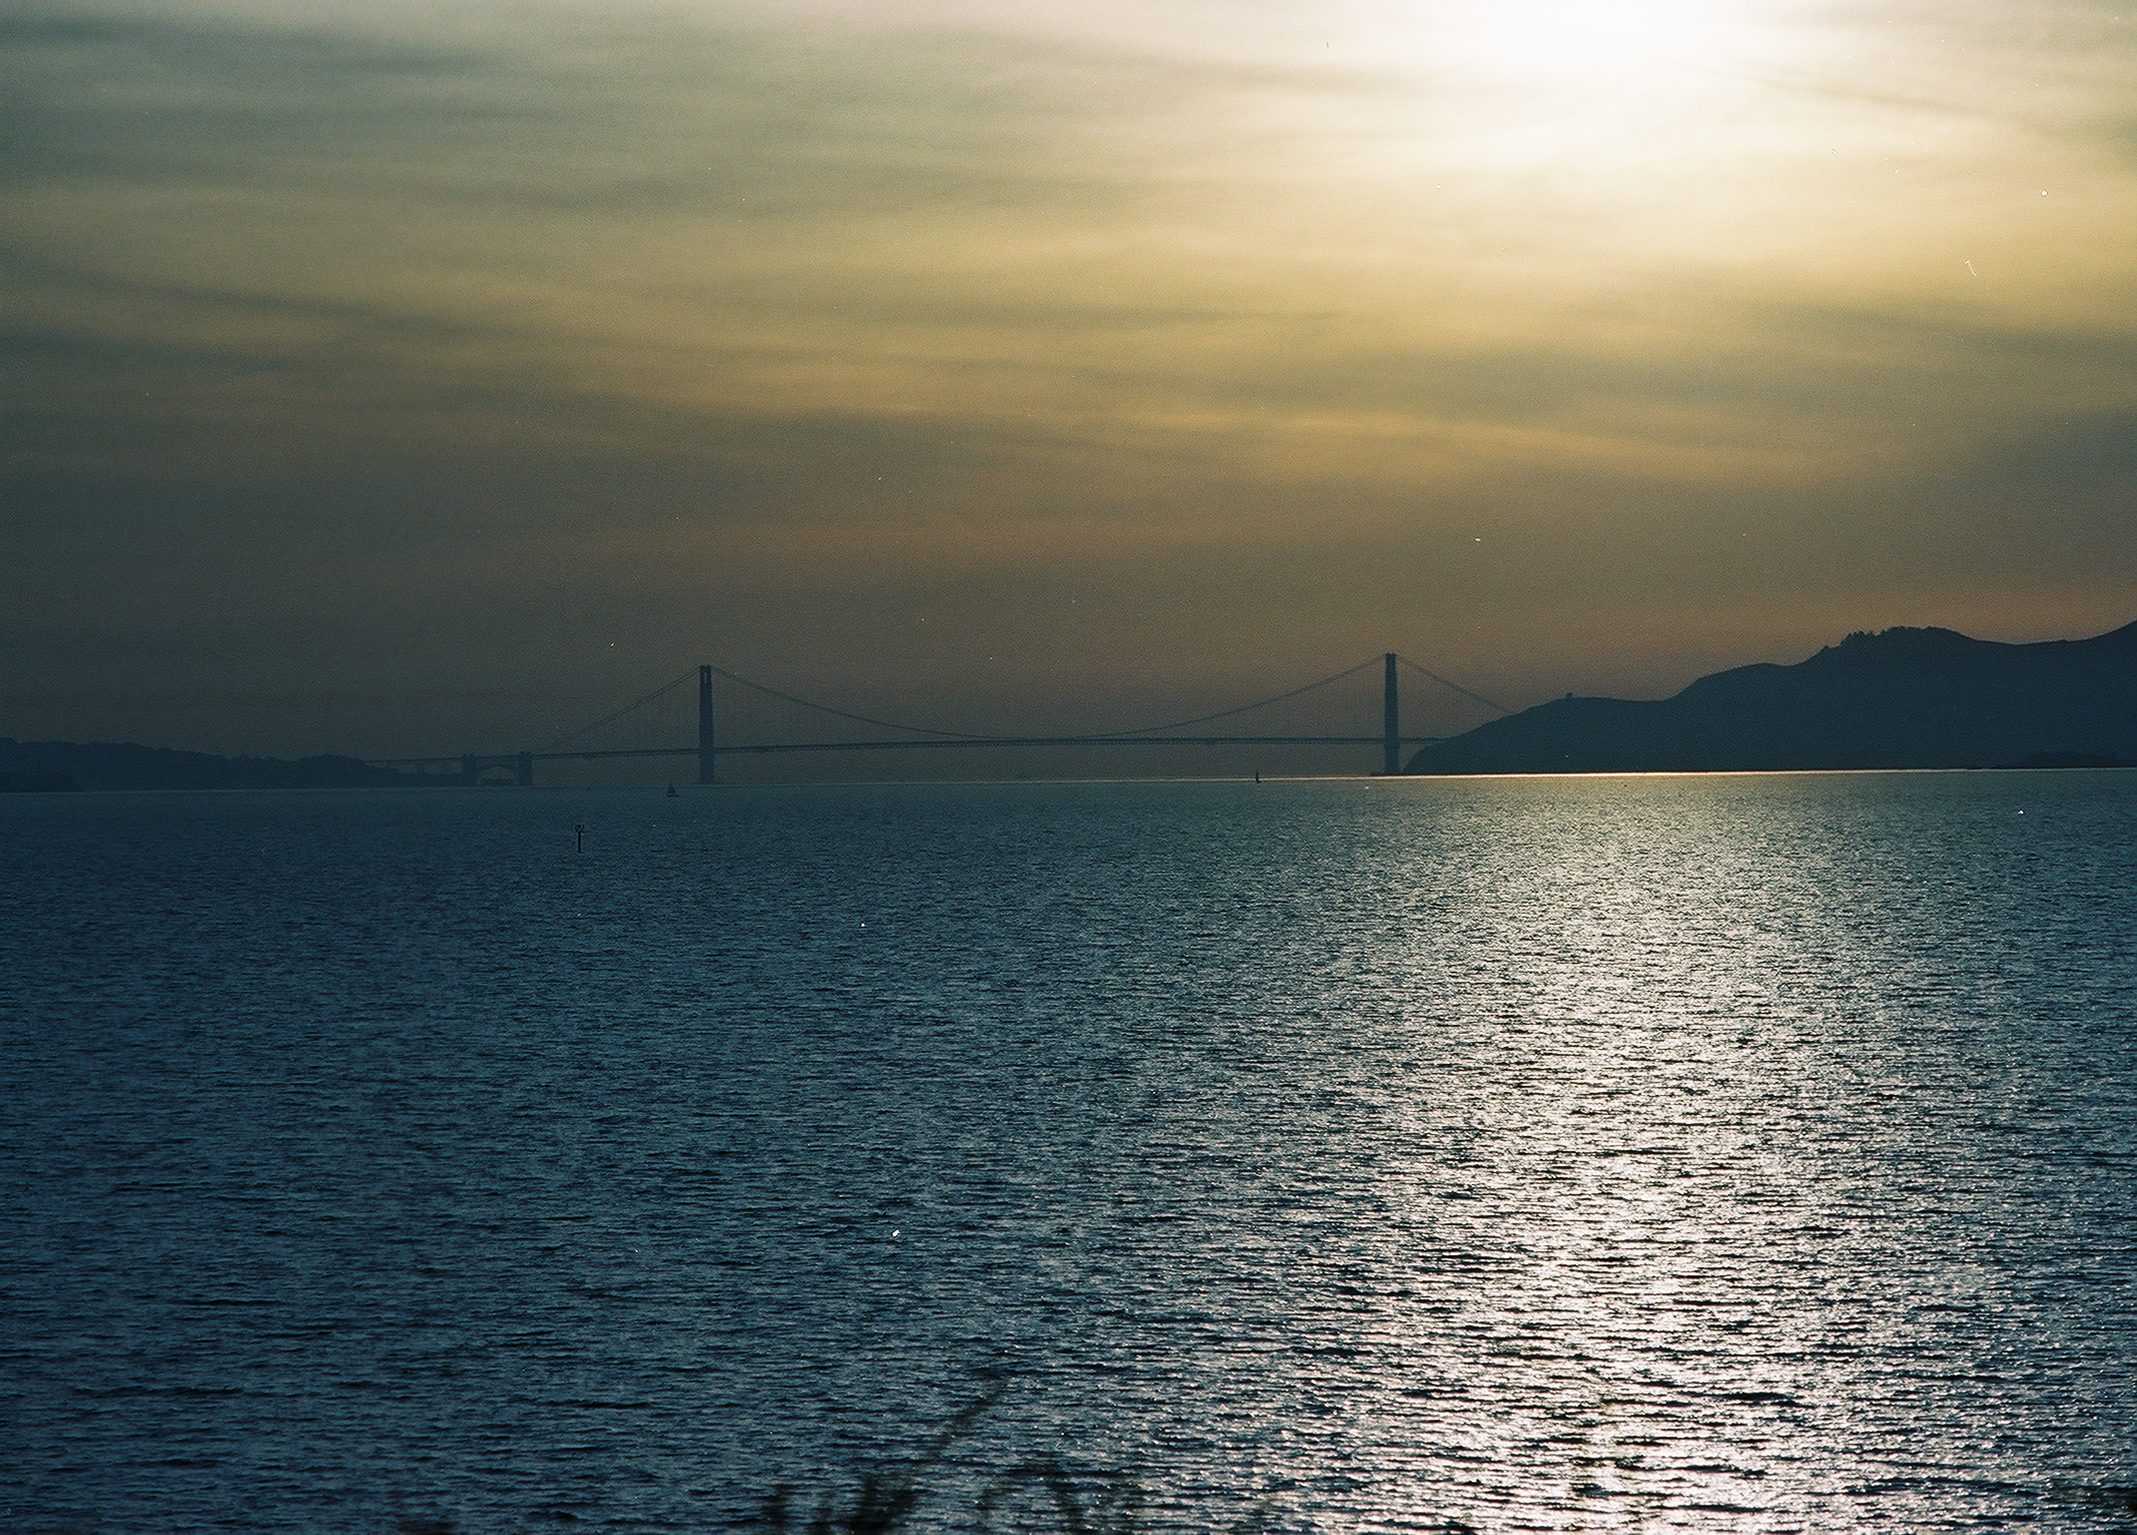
(1044, 1493)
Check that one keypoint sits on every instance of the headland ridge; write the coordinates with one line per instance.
(1899, 698)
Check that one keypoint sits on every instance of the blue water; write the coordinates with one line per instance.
(1722, 1154)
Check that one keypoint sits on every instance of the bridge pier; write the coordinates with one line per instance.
(1390, 723)
(523, 770)
(469, 772)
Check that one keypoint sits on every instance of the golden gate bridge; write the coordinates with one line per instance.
(710, 744)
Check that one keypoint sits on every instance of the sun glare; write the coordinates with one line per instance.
(1567, 44)
(1592, 89)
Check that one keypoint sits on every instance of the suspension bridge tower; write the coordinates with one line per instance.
(1390, 722)
(704, 726)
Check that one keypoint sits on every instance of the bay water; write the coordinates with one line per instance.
(1734, 1153)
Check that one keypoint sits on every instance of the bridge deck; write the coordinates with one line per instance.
(506, 759)
(922, 738)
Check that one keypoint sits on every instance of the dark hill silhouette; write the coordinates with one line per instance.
(1904, 698)
(52, 765)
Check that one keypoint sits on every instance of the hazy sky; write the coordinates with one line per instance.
(377, 375)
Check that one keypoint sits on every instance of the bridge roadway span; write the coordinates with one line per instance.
(1390, 740)
(521, 764)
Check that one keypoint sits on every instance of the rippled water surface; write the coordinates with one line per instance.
(1730, 1154)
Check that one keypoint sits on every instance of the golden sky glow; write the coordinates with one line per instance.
(957, 353)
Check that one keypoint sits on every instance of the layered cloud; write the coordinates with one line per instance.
(528, 351)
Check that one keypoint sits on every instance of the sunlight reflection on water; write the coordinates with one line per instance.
(1709, 1153)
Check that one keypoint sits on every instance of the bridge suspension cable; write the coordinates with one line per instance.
(1263, 703)
(1456, 686)
(1143, 735)
(862, 719)
(610, 719)
(1103, 735)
